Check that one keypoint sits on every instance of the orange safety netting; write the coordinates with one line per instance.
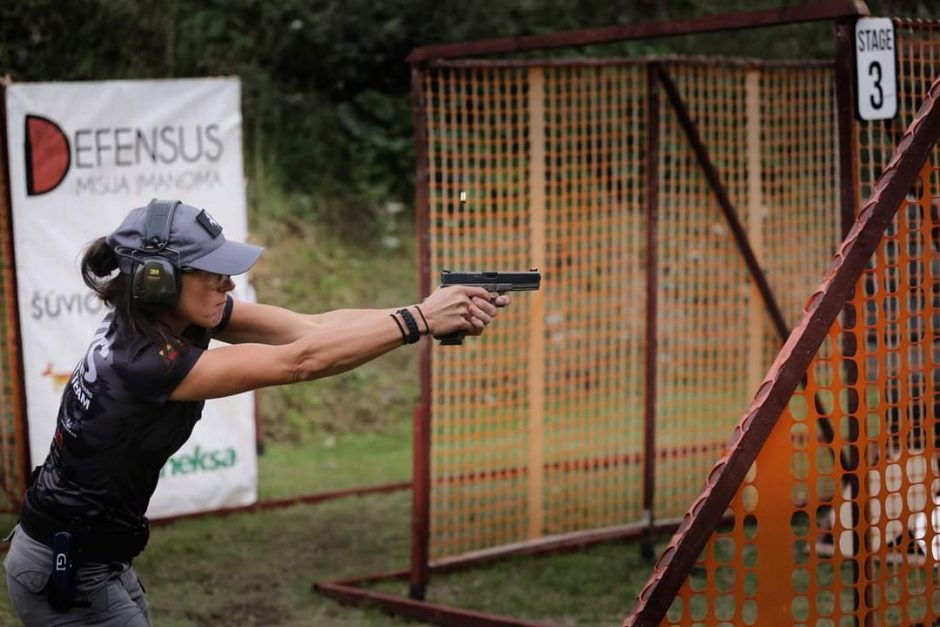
(846, 525)
(537, 427)
(715, 338)
(838, 520)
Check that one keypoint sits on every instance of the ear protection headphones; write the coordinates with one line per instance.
(155, 283)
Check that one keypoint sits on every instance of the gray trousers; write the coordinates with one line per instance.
(106, 594)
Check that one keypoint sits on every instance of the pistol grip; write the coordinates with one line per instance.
(453, 339)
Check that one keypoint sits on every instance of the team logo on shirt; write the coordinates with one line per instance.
(170, 353)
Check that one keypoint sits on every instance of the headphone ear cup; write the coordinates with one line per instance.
(155, 285)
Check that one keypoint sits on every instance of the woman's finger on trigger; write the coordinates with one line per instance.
(478, 292)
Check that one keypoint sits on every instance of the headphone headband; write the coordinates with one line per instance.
(157, 226)
(155, 284)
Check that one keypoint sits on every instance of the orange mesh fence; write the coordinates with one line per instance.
(703, 284)
(918, 64)
(507, 468)
(715, 337)
(477, 141)
(838, 520)
(538, 426)
(797, 199)
(827, 529)
(592, 424)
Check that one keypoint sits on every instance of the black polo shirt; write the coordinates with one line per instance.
(116, 429)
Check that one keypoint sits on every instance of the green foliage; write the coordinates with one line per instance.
(328, 129)
(325, 84)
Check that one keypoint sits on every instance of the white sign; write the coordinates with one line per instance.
(876, 68)
(81, 156)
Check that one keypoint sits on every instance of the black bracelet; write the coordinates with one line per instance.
(404, 338)
(427, 327)
(413, 333)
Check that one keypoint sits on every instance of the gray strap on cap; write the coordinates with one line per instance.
(157, 227)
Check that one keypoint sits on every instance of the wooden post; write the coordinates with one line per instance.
(536, 361)
(652, 293)
(755, 223)
(21, 466)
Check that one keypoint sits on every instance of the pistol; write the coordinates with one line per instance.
(499, 282)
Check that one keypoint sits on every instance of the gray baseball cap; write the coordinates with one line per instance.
(194, 236)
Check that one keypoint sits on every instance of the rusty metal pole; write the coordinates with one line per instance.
(14, 339)
(845, 114)
(848, 201)
(652, 289)
(821, 10)
(421, 453)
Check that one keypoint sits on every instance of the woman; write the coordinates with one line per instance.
(135, 396)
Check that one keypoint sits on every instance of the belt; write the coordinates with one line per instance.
(91, 546)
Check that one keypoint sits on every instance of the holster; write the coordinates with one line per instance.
(61, 587)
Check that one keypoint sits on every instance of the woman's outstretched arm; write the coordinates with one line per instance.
(328, 349)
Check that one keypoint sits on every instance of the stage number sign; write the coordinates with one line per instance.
(875, 54)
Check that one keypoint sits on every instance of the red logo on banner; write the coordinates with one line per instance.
(47, 155)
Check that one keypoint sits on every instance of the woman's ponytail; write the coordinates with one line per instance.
(114, 288)
(98, 264)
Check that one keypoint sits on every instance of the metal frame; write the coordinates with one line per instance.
(848, 200)
(421, 461)
(270, 504)
(812, 12)
(423, 58)
(350, 590)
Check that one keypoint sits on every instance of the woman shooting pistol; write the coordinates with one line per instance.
(137, 393)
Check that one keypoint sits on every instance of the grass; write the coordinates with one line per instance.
(593, 586)
(309, 269)
(335, 462)
(257, 568)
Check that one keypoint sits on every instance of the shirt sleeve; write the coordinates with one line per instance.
(152, 373)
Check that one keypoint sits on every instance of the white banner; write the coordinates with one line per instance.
(81, 156)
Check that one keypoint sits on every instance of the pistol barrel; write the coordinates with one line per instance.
(495, 281)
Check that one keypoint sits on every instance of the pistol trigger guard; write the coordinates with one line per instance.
(453, 339)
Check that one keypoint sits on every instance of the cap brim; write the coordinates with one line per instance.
(230, 258)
